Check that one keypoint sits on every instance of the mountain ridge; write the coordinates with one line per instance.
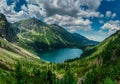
(46, 36)
(107, 46)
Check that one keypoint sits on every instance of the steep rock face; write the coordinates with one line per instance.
(9, 52)
(3, 25)
(6, 31)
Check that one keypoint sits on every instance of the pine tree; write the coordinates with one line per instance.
(19, 74)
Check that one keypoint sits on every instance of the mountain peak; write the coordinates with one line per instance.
(31, 22)
(2, 17)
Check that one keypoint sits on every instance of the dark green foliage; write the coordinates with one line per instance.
(6, 77)
(111, 51)
(35, 76)
(106, 55)
(27, 73)
(49, 77)
(88, 52)
(69, 77)
(109, 81)
(108, 73)
(19, 74)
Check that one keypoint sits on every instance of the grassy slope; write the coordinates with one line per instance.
(80, 68)
(105, 59)
(10, 54)
(100, 47)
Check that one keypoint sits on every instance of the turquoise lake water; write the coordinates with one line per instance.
(60, 55)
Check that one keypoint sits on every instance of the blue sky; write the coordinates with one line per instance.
(95, 19)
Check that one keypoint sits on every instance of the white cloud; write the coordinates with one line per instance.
(68, 7)
(101, 21)
(35, 11)
(67, 13)
(72, 23)
(47, 8)
(89, 13)
(111, 26)
(113, 15)
(94, 35)
(18, 16)
(109, 14)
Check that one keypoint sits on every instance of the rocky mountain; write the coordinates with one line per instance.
(32, 34)
(6, 31)
(9, 52)
(41, 36)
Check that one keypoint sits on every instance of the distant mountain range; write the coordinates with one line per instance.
(34, 35)
(83, 40)
(37, 35)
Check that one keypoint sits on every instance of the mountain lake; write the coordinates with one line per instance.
(60, 55)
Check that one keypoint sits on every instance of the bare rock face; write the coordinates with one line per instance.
(6, 31)
(3, 25)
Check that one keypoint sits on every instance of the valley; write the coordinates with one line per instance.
(21, 42)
